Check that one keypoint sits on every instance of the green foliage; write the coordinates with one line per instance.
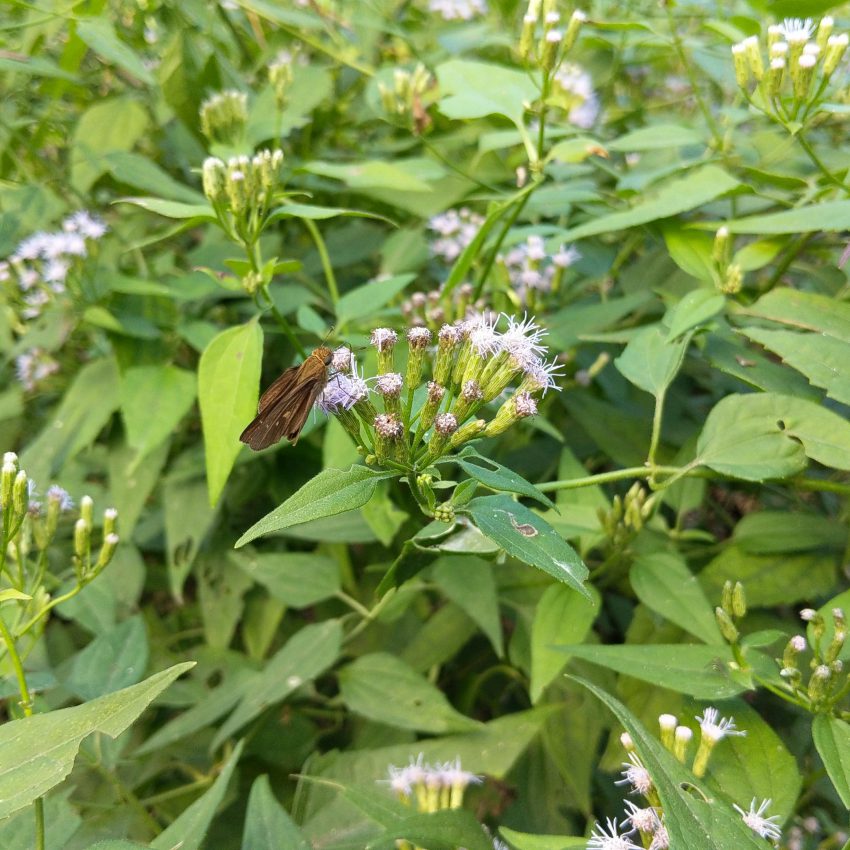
(630, 463)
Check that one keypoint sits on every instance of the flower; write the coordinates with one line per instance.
(755, 819)
(389, 385)
(714, 729)
(445, 424)
(613, 839)
(522, 340)
(636, 775)
(343, 359)
(540, 375)
(643, 820)
(58, 494)
(388, 426)
(384, 338)
(456, 229)
(454, 10)
(577, 93)
(808, 614)
(34, 366)
(797, 29)
(86, 224)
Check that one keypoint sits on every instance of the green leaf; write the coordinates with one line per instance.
(154, 399)
(769, 435)
(100, 36)
(695, 309)
(527, 841)
(832, 739)
(10, 594)
(445, 829)
(306, 655)
(678, 196)
(366, 300)
(372, 174)
(780, 578)
(298, 579)
(700, 671)
(562, 616)
(113, 124)
(267, 825)
(656, 137)
(771, 532)
(804, 311)
(172, 209)
(699, 819)
(498, 477)
(118, 844)
(114, 660)
(132, 169)
(228, 389)
(652, 359)
(829, 216)
(331, 492)
(316, 213)
(469, 583)
(526, 536)
(822, 359)
(87, 406)
(61, 819)
(663, 582)
(38, 752)
(691, 251)
(188, 831)
(471, 89)
(383, 688)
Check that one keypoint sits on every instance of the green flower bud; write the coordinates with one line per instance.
(682, 738)
(819, 683)
(775, 76)
(720, 249)
(551, 45)
(448, 343)
(577, 19)
(667, 724)
(836, 45)
(20, 493)
(726, 597)
(827, 24)
(727, 627)
(110, 516)
(107, 550)
(802, 74)
(7, 483)
(754, 59)
(739, 601)
(82, 539)
(835, 646)
(214, 178)
(469, 431)
(444, 512)
(742, 66)
(87, 509)
(519, 406)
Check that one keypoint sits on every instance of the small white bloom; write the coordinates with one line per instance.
(458, 10)
(636, 775)
(541, 375)
(384, 338)
(483, 336)
(797, 29)
(798, 642)
(808, 614)
(715, 727)
(84, 223)
(60, 495)
(612, 839)
(643, 820)
(766, 827)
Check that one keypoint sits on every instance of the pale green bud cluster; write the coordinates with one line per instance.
(626, 516)
(224, 116)
(407, 95)
(828, 684)
(728, 275)
(800, 61)
(545, 38)
(281, 76)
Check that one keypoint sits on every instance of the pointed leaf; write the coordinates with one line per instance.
(267, 825)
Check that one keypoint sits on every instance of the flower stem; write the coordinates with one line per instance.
(327, 268)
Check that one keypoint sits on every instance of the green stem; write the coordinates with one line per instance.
(327, 267)
(657, 418)
(457, 170)
(370, 617)
(606, 478)
(352, 603)
(812, 154)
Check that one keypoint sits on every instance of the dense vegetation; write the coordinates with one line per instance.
(559, 556)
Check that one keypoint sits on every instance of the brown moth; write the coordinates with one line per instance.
(285, 405)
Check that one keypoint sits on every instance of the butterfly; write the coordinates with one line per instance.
(285, 405)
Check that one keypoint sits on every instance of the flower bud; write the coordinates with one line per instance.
(444, 512)
(7, 483)
(793, 648)
(418, 339)
(384, 340)
(627, 742)
(110, 515)
(836, 45)
(82, 539)
(727, 627)
(726, 596)
(827, 24)
(739, 601)
(667, 723)
(20, 493)
(107, 550)
(754, 60)
(551, 43)
(469, 431)
(802, 74)
(835, 646)
(577, 19)
(214, 179)
(742, 66)
(720, 249)
(448, 342)
(733, 281)
(819, 683)
(775, 76)
(87, 509)
(682, 737)
(529, 25)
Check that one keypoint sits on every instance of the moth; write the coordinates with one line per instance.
(285, 405)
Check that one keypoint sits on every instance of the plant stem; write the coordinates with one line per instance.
(327, 268)
(657, 418)
(810, 151)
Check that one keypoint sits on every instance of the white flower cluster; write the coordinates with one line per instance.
(420, 775)
(458, 10)
(530, 266)
(34, 366)
(576, 90)
(455, 229)
(41, 263)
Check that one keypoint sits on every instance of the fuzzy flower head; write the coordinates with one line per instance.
(522, 340)
(643, 820)
(389, 385)
(342, 392)
(610, 838)
(715, 728)
(87, 225)
(761, 825)
(576, 92)
(419, 338)
(540, 375)
(455, 230)
(384, 339)
(636, 775)
(388, 426)
(343, 359)
(61, 496)
(797, 29)
(482, 335)
(458, 10)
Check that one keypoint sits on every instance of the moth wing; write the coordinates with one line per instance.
(278, 388)
(283, 410)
